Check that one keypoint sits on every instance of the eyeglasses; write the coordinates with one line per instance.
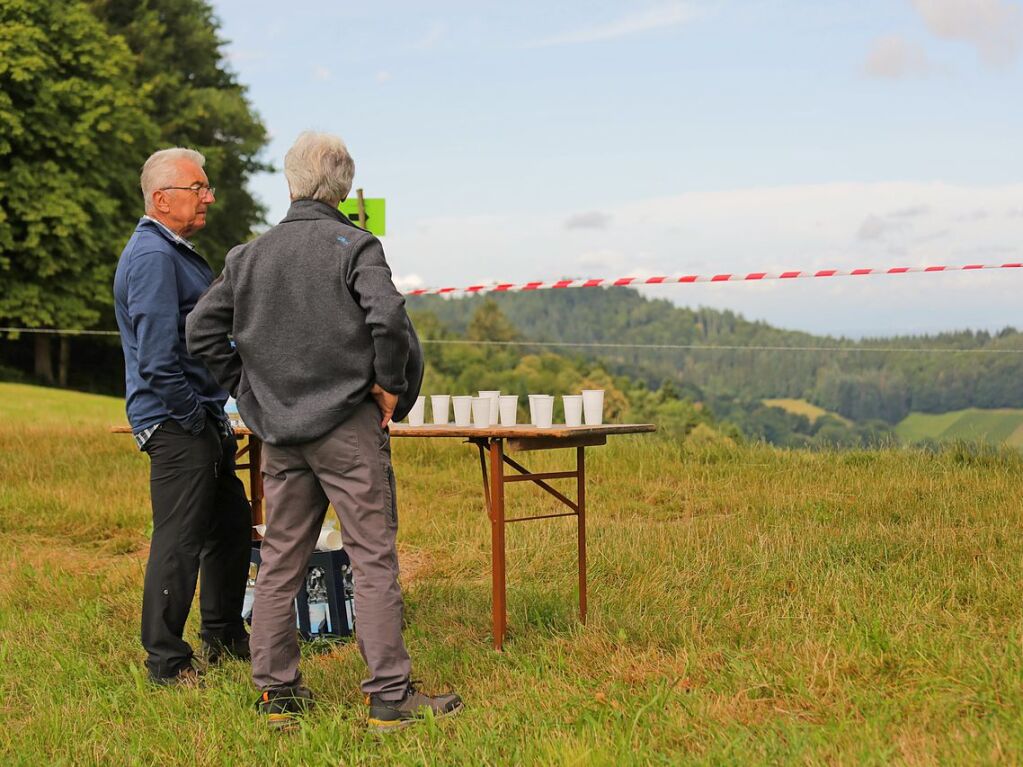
(199, 189)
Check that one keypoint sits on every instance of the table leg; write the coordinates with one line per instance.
(580, 465)
(483, 468)
(500, 614)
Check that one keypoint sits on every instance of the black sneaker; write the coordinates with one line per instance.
(215, 650)
(282, 706)
(386, 715)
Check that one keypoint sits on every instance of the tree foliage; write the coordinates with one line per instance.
(71, 122)
(845, 376)
(197, 102)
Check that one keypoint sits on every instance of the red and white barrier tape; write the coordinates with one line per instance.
(509, 287)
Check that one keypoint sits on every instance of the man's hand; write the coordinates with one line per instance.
(386, 402)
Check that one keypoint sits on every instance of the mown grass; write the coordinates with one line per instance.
(748, 606)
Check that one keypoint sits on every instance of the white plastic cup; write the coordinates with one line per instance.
(593, 406)
(543, 411)
(495, 396)
(481, 412)
(573, 409)
(462, 406)
(415, 415)
(329, 540)
(509, 405)
(532, 407)
(439, 405)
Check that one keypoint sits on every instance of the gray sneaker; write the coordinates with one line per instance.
(387, 715)
(283, 706)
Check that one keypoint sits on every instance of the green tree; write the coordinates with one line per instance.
(197, 102)
(488, 323)
(71, 122)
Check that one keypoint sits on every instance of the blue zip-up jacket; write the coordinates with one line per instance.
(158, 281)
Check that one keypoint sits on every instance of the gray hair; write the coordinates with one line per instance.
(158, 171)
(319, 167)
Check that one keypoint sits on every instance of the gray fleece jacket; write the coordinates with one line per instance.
(315, 320)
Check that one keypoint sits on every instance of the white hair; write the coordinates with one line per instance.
(319, 167)
(158, 171)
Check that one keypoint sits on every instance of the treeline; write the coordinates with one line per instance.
(87, 91)
(485, 354)
(867, 380)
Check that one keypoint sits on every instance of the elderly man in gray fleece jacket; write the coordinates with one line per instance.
(323, 356)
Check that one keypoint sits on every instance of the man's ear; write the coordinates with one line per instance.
(160, 201)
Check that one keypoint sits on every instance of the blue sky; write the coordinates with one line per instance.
(537, 141)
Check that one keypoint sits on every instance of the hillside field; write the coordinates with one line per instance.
(748, 605)
(1001, 426)
(802, 407)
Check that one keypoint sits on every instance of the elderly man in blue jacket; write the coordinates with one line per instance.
(201, 518)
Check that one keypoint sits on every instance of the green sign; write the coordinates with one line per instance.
(376, 217)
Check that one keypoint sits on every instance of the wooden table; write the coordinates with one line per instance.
(491, 442)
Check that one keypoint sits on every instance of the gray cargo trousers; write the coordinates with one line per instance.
(349, 467)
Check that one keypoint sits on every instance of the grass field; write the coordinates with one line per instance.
(748, 606)
(1004, 426)
(802, 407)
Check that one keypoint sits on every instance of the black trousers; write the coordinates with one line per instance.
(201, 523)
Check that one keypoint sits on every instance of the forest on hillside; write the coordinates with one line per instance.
(866, 380)
(709, 391)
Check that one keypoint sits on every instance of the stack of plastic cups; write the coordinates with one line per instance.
(494, 396)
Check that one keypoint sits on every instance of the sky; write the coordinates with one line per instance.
(535, 141)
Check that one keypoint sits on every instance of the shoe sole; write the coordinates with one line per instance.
(283, 722)
(382, 725)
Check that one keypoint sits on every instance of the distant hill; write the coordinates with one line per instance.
(996, 426)
(845, 376)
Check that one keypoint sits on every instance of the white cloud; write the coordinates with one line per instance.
(593, 219)
(432, 37)
(993, 27)
(876, 228)
(765, 229)
(406, 282)
(599, 262)
(657, 17)
(894, 57)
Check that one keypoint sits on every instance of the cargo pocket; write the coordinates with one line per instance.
(390, 488)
